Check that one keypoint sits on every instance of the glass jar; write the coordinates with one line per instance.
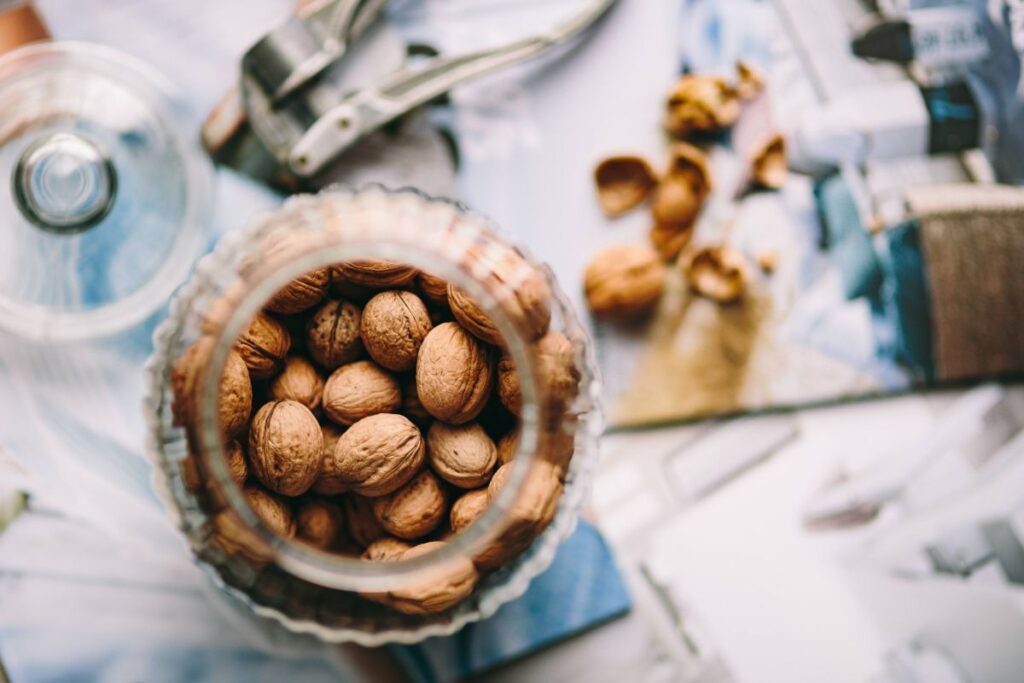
(307, 589)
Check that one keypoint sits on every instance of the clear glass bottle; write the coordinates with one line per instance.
(305, 588)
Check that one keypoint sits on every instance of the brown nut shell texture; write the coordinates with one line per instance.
(558, 375)
(362, 524)
(376, 456)
(453, 374)
(394, 324)
(718, 273)
(622, 183)
(445, 584)
(768, 168)
(414, 510)
(234, 399)
(376, 273)
(237, 464)
(276, 249)
(286, 447)
(670, 240)
(272, 510)
(461, 455)
(385, 549)
(700, 103)
(263, 346)
(358, 390)
(332, 334)
(301, 293)
(299, 381)
(319, 522)
(433, 288)
(530, 513)
(468, 508)
(624, 281)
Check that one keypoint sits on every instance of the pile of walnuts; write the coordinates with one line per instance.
(627, 280)
(371, 409)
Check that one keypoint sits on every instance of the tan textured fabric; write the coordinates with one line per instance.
(972, 237)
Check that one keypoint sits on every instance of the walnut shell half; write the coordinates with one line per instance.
(462, 455)
(414, 510)
(453, 374)
(623, 182)
(718, 273)
(700, 103)
(394, 324)
(624, 281)
(286, 447)
(376, 456)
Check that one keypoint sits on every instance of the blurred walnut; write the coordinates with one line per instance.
(468, 508)
(237, 464)
(319, 522)
(749, 81)
(443, 586)
(622, 183)
(358, 390)
(462, 455)
(670, 240)
(718, 273)
(362, 524)
(414, 510)
(301, 293)
(299, 381)
(263, 346)
(332, 334)
(700, 103)
(433, 288)
(508, 446)
(376, 456)
(624, 281)
(394, 324)
(453, 374)
(286, 447)
(531, 511)
(378, 274)
(272, 510)
(385, 549)
(234, 399)
(768, 167)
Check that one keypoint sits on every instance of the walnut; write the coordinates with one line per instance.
(557, 375)
(508, 446)
(444, 585)
(393, 326)
(237, 465)
(299, 381)
(622, 183)
(319, 522)
(234, 399)
(414, 510)
(263, 346)
(379, 274)
(331, 433)
(768, 168)
(301, 293)
(276, 249)
(375, 456)
(385, 549)
(670, 240)
(349, 291)
(362, 524)
(434, 289)
(508, 384)
(679, 196)
(624, 281)
(749, 81)
(286, 447)
(358, 390)
(332, 334)
(272, 510)
(411, 406)
(463, 455)
(718, 273)
(453, 374)
(702, 104)
(532, 510)
(468, 508)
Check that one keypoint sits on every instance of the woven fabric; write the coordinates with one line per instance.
(973, 242)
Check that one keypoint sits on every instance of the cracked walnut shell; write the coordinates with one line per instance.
(376, 456)
(464, 455)
(453, 374)
(299, 381)
(414, 510)
(286, 447)
(394, 324)
(263, 346)
(718, 273)
(624, 281)
(623, 182)
(332, 334)
(358, 390)
(700, 103)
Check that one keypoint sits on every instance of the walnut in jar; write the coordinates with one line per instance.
(374, 457)
(319, 522)
(301, 293)
(286, 447)
(263, 346)
(272, 510)
(385, 549)
(299, 381)
(531, 511)
(358, 390)
(444, 586)
(624, 281)
(394, 324)
(378, 274)
(453, 374)
(414, 510)
(362, 524)
(434, 289)
(234, 399)
(462, 455)
(468, 508)
(332, 334)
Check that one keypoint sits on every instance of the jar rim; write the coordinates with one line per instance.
(302, 560)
